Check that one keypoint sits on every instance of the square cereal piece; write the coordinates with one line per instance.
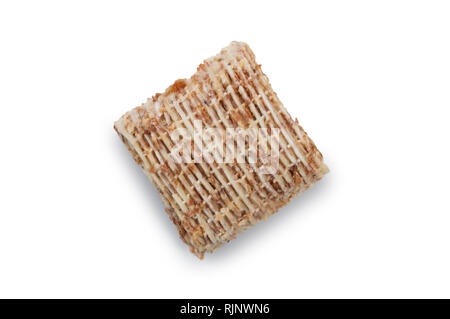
(212, 199)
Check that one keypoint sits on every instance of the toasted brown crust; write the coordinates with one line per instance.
(211, 203)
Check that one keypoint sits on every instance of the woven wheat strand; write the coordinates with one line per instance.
(210, 203)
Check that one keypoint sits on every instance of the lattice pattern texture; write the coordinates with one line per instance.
(210, 203)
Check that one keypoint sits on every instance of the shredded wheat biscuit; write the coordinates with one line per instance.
(210, 203)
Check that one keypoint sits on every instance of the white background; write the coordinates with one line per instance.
(368, 80)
